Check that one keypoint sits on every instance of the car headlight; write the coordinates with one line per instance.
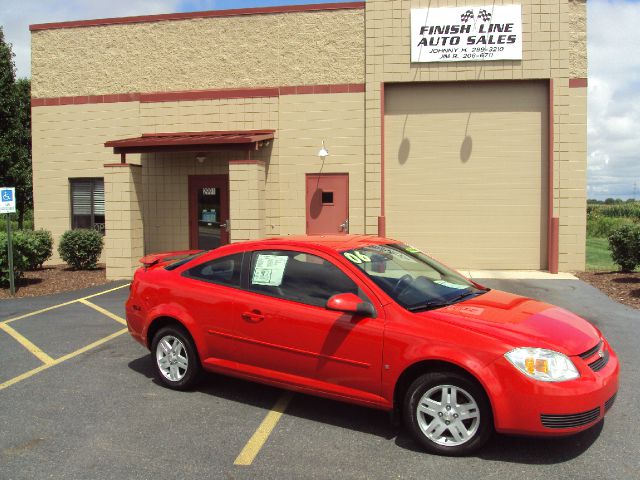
(541, 364)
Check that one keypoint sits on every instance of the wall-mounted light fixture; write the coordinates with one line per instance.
(323, 153)
(201, 157)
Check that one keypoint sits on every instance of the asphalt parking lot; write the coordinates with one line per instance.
(78, 399)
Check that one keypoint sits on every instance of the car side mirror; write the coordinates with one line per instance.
(350, 303)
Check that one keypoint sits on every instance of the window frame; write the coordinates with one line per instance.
(239, 286)
(92, 215)
(362, 287)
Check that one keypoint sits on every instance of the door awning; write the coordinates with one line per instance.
(192, 141)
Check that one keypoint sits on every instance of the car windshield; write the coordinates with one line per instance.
(414, 280)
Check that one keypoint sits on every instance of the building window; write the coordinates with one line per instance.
(87, 203)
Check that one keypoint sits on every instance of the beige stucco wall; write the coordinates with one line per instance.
(304, 48)
(68, 142)
(546, 40)
(305, 121)
(571, 183)
(123, 208)
(166, 195)
(578, 38)
(247, 200)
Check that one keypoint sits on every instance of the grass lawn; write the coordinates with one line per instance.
(598, 255)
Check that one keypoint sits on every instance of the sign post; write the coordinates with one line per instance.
(8, 205)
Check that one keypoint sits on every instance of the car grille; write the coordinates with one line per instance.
(600, 362)
(570, 421)
(591, 351)
(609, 403)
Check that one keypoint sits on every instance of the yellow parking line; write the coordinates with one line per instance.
(57, 361)
(257, 440)
(103, 311)
(26, 343)
(53, 307)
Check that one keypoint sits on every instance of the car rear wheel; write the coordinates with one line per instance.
(447, 413)
(176, 359)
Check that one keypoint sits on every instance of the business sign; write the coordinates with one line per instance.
(463, 34)
(7, 200)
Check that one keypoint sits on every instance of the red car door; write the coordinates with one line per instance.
(287, 333)
(207, 291)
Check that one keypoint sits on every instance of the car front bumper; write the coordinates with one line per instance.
(530, 407)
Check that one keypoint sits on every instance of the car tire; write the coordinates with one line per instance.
(175, 358)
(448, 413)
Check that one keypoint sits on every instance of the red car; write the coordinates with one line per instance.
(375, 322)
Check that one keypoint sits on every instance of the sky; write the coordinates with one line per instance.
(614, 70)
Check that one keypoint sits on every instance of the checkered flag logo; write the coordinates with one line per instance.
(466, 16)
(484, 15)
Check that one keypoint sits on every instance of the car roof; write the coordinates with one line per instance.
(331, 242)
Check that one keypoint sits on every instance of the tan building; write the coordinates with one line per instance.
(459, 129)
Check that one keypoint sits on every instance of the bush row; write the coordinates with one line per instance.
(81, 249)
(30, 250)
(602, 227)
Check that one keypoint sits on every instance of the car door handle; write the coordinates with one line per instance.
(254, 316)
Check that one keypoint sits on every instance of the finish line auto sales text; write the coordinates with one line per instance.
(449, 35)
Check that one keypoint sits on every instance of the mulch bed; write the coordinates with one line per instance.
(55, 279)
(622, 287)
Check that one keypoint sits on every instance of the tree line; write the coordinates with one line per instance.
(15, 131)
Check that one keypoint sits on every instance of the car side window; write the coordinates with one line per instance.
(299, 277)
(222, 271)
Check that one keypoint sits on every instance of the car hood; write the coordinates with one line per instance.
(521, 322)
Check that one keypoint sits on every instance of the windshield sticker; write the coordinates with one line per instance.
(357, 257)
(412, 249)
(455, 286)
(269, 270)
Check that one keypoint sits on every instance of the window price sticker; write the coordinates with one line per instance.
(269, 270)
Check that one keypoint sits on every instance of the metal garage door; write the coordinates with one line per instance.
(466, 171)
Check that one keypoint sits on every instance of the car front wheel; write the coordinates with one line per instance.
(447, 413)
(175, 358)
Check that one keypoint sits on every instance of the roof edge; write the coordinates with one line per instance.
(191, 15)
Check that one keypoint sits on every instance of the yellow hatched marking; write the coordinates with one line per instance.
(30, 314)
(26, 343)
(260, 436)
(103, 311)
(57, 361)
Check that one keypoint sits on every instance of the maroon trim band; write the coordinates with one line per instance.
(247, 162)
(578, 82)
(190, 15)
(157, 97)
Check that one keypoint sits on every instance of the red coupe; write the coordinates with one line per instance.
(375, 322)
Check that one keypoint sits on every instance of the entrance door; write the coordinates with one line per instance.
(328, 204)
(208, 211)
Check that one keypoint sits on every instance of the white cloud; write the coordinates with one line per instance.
(614, 98)
(16, 16)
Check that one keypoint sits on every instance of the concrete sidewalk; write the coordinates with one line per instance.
(517, 275)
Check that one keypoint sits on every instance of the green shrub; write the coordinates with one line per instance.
(20, 258)
(40, 247)
(81, 249)
(625, 247)
(598, 226)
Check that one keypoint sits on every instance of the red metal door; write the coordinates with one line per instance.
(327, 204)
(208, 211)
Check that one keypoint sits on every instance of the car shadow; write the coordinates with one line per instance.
(525, 450)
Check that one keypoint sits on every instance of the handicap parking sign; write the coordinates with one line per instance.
(7, 200)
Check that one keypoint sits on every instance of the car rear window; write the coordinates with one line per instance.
(182, 261)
